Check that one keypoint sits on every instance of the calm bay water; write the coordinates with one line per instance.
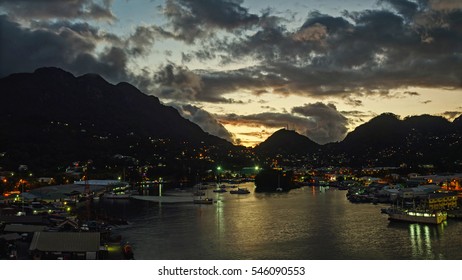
(305, 224)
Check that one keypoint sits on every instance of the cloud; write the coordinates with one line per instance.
(177, 82)
(445, 5)
(451, 115)
(72, 47)
(356, 117)
(353, 102)
(406, 8)
(411, 93)
(190, 20)
(370, 52)
(142, 40)
(267, 119)
(59, 9)
(330, 124)
(405, 44)
(320, 122)
(205, 120)
(78, 47)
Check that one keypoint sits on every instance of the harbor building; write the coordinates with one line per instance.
(65, 245)
(442, 201)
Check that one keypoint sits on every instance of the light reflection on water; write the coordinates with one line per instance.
(308, 223)
(422, 237)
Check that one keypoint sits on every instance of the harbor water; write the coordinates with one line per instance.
(309, 223)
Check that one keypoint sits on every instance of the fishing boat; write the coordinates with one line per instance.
(204, 200)
(416, 216)
(240, 191)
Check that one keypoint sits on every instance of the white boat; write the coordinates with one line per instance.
(117, 195)
(240, 191)
(203, 200)
(416, 216)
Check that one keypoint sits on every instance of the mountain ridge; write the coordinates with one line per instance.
(51, 111)
(385, 140)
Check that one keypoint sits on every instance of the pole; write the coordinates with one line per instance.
(22, 194)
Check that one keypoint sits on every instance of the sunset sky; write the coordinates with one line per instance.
(244, 69)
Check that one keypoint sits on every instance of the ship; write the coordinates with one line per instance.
(416, 216)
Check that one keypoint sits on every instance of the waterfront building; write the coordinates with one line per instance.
(65, 245)
(442, 201)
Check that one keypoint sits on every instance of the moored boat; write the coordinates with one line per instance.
(416, 216)
(240, 191)
(203, 201)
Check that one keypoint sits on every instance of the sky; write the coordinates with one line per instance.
(243, 69)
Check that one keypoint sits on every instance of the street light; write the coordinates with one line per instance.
(218, 174)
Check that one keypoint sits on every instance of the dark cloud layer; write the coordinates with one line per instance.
(179, 83)
(72, 47)
(405, 44)
(368, 52)
(190, 20)
(59, 9)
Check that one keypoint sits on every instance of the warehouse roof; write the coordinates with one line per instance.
(65, 242)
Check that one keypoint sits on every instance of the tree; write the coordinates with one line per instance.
(272, 180)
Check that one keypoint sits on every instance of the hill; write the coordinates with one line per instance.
(286, 142)
(416, 140)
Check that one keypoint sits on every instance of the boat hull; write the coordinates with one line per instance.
(203, 201)
(219, 191)
(239, 191)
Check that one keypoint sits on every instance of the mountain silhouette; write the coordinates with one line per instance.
(286, 142)
(414, 141)
(53, 117)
